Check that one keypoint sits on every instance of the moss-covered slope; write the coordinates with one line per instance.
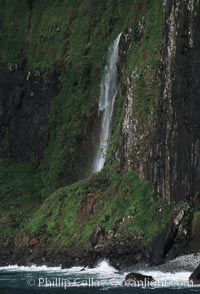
(54, 52)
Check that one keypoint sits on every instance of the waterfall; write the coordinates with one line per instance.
(108, 92)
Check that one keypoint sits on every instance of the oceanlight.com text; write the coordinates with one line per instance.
(60, 282)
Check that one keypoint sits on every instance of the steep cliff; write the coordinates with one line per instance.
(52, 59)
(169, 129)
(178, 172)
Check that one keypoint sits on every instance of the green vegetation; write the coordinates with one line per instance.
(196, 226)
(60, 33)
(70, 38)
(20, 186)
(15, 17)
(127, 198)
(144, 56)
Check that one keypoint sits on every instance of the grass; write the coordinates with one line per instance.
(58, 221)
(15, 18)
(144, 58)
(20, 186)
(80, 37)
(72, 38)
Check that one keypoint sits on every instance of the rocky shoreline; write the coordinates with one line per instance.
(124, 254)
(124, 261)
(120, 255)
(121, 250)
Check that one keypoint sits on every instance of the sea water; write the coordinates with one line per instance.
(169, 278)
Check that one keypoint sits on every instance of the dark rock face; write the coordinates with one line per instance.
(24, 108)
(124, 45)
(136, 277)
(162, 245)
(176, 160)
(97, 235)
(195, 276)
(6, 252)
(172, 159)
(174, 239)
(124, 252)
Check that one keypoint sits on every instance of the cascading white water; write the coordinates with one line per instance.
(108, 92)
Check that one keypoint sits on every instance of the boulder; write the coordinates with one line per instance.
(195, 276)
(97, 235)
(132, 278)
(83, 269)
(162, 244)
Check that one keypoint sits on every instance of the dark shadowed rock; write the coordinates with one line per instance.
(195, 276)
(98, 234)
(138, 278)
(162, 245)
(83, 269)
(24, 109)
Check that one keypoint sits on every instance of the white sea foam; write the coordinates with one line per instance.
(190, 261)
(102, 267)
(32, 268)
(166, 277)
(169, 279)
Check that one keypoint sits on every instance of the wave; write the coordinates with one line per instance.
(31, 268)
(169, 274)
(102, 267)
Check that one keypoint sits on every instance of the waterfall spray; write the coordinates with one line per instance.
(108, 92)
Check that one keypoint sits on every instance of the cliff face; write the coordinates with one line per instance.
(165, 150)
(53, 60)
(176, 168)
(52, 63)
(25, 105)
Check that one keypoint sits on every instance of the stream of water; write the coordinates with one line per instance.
(108, 92)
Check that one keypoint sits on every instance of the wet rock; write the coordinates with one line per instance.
(195, 276)
(139, 31)
(136, 277)
(162, 244)
(24, 110)
(97, 235)
(124, 45)
(83, 269)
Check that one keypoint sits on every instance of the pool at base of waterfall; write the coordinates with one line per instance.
(172, 276)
